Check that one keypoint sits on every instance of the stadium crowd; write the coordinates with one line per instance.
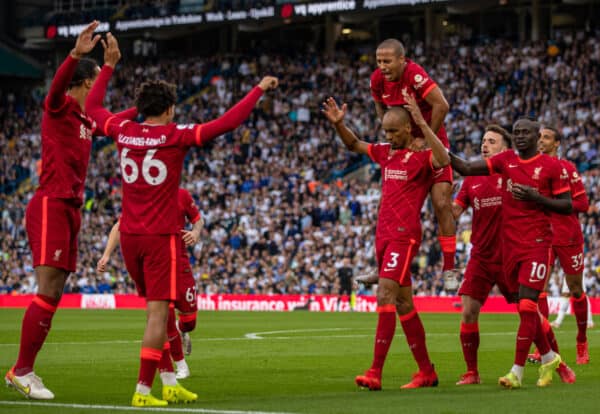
(280, 209)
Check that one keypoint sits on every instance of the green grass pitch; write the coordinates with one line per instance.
(297, 362)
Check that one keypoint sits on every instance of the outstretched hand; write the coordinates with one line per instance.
(268, 82)
(112, 53)
(414, 110)
(333, 112)
(86, 41)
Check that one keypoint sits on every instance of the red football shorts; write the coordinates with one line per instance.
(569, 257)
(394, 259)
(151, 261)
(480, 277)
(529, 268)
(52, 226)
(186, 301)
(443, 175)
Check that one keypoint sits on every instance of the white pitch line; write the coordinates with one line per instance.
(253, 336)
(258, 335)
(140, 409)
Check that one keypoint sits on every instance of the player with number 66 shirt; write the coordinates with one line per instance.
(151, 159)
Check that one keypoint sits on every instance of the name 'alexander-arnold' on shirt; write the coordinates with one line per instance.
(141, 141)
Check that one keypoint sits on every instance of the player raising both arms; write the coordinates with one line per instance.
(567, 242)
(532, 187)
(151, 156)
(53, 218)
(186, 302)
(406, 179)
(396, 75)
(484, 270)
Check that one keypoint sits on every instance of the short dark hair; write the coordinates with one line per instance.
(400, 112)
(154, 97)
(86, 69)
(506, 136)
(393, 44)
(557, 134)
(534, 124)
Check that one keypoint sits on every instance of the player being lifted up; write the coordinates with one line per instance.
(406, 179)
(395, 76)
(532, 187)
(186, 302)
(567, 241)
(484, 270)
(53, 217)
(151, 155)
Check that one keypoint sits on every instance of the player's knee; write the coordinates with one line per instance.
(470, 315)
(575, 287)
(576, 292)
(404, 307)
(385, 296)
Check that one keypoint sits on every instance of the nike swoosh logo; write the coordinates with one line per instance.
(512, 166)
(388, 270)
(385, 96)
(475, 186)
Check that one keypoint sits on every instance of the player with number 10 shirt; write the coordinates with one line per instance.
(532, 188)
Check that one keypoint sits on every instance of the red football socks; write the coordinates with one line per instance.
(174, 337)
(415, 337)
(149, 358)
(580, 309)
(165, 364)
(530, 319)
(543, 304)
(549, 333)
(34, 329)
(448, 246)
(469, 339)
(386, 327)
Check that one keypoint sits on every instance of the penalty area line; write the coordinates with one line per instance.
(127, 408)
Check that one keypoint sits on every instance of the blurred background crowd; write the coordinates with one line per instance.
(285, 204)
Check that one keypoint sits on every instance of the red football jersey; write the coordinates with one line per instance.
(406, 177)
(187, 208)
(66, 139)
(416, 82)
(189, 211)
(526, 224)
(484, 195)
(566, 229)
(151, 158)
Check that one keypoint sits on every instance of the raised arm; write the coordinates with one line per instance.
(335, 115)
(440, 156)
(239, 113)
(111, 245)
(60, 83)
(439, 108)
(477, 167)
(379, 109)
(94, 101)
